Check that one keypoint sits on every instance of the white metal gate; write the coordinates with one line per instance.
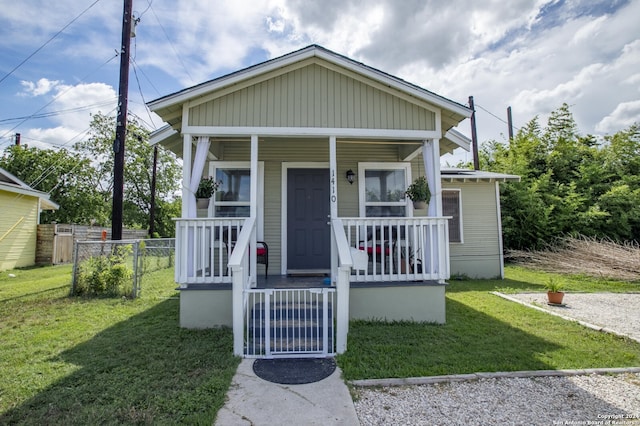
(289, 322)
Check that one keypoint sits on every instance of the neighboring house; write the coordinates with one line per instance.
(313, 152)
(20, 207)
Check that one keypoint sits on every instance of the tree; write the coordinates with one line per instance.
(137, 172)
(68, 179)
(81, 180)
(570, 184)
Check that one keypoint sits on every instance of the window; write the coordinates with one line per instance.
(234, 195)
(382, 188)
(451, 206)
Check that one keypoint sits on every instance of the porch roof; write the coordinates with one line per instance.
(172, 140)
(464, 175)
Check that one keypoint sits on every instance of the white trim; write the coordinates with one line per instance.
(362, 203)
(161, 134)
(232, 131)
(500, 242)
(213, 165)
(460, 216)
(185, 118)
(458, 138)
(283, 207)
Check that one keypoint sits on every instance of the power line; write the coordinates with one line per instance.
(135, 73)
(175, 51)
(495, 116)
(60, 112)
(48, 41)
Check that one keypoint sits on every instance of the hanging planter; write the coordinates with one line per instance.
(206, 189)
(419, 193)
(419, 205)
(202, 203)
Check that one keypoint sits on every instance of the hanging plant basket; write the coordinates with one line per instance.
(203, 203)
(419, 193)
(419, 205)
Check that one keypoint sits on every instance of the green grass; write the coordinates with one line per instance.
(70, 360)
(486, 333)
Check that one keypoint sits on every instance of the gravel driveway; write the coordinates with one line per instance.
(580, 399)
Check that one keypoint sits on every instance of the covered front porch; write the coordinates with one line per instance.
(387, 267)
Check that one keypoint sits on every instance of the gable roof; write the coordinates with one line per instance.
(170, 107)
(314, 50)
(10, 183)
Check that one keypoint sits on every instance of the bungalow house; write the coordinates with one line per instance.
(309, 226)
(20, 207)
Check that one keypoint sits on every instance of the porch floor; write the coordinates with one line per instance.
(287, 281)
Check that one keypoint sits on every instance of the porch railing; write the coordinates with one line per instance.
(203, 249)
(399, 249)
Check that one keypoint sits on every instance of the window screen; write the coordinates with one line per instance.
(451, 207)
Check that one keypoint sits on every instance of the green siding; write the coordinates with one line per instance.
(479, 255)
(18, 246)
(312, 96)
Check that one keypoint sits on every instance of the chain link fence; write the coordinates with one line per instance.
(117, 268)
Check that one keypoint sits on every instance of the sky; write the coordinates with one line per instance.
(59, 63)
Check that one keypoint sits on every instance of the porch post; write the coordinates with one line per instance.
(253, 208)
(440, 259)
(186, 172)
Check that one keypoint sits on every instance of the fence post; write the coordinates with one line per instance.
(136, 268)
(75, 267)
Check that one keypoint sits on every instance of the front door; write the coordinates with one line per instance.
(308, 234)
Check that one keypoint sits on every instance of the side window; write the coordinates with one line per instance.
(451, 206)
(382, 190)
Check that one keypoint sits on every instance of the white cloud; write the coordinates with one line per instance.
(41, 87)
(72, 106)
(625, 114)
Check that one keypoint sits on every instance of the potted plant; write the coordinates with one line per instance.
(419, 193)
(554, 293)
(207, 187)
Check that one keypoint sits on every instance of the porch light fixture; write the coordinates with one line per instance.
(350, 176)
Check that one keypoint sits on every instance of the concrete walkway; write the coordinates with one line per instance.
(254, 401)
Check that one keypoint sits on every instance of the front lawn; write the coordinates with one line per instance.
(72, 360)
(487, 333)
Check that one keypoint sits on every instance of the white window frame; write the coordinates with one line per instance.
(214, 165)
(459, 191)
(362, 167)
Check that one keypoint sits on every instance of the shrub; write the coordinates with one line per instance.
(107, 275)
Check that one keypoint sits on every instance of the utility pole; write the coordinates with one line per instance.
(17, 138)
(510, 123)
(474, 135)
(121, 124)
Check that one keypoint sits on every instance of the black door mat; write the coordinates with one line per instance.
(294, 371)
